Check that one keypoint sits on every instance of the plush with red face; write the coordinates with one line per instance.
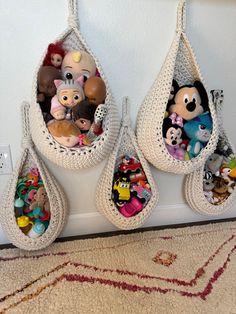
(189, 101)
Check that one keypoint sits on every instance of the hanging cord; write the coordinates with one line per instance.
(181, 17)
(26, 137)
(73, 21)
(125, 112)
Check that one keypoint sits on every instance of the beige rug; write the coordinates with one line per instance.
(187, 270)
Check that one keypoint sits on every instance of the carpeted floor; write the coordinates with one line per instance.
(186, 270)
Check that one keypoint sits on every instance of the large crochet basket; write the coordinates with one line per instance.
(193, 186)
(180, 64)
(86, 156)
(126, 144)
(57, 199)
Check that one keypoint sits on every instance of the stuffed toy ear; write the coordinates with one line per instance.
(58, 83)
(80, 80)
(175, 86)
(166, 125)
(173, 91)
(203, 94)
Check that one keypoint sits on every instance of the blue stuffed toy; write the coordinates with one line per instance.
(199, 131)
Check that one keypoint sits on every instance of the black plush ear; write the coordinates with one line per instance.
(203, 94)
(167, 123)
(173, 91)
(175, 85)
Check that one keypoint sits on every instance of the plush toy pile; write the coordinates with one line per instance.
(187, 124)
(32, 208)
(219, 174)
(131, 191)
(71, 95)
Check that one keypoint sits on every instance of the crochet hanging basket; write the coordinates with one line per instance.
(209, 203)
(85, 156)
(125, 145)
(180, 65)
(55, 195)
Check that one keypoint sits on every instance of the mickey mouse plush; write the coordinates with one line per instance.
(189, 101)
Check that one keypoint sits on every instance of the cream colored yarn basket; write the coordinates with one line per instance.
(180, 64)
(86, 156)
(126, 144)
(193, 186)
(57, 199)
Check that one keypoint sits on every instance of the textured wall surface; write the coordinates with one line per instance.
(131, 39)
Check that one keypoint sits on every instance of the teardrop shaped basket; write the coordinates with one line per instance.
(180, 65)
(207, 203)
(57, 199)
(85, 156)
(125, 145)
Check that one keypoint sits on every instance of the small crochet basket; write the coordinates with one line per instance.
(86, 156)
(56, 197)
(180, 64)
(126, 144)
(193, 186)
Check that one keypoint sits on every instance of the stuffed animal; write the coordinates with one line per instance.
(95, 90)
(41, 200)
(220, 191)
(229, 169)
(46, 86)
(54, 55)
(69, 94)
(199, 131)
(228, 173)
(77, 63)
(208, 186)
(66, 133)
(213, 163)
(88, 118)
(189, 101)
(172, 134)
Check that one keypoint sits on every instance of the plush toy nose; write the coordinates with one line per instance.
(191, 106)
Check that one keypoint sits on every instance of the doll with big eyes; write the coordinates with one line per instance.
(69, 94)
(55, 55)
(88, 118)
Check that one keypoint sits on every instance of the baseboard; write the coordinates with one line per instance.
(163, 215)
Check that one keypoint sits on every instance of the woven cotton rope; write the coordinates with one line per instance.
(75, 157)
(180, 65)
(125, 145)
(56, 197)
(210, 190)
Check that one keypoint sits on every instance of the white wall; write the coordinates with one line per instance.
(131, 39)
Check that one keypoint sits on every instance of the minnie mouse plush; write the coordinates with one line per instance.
(172, 133)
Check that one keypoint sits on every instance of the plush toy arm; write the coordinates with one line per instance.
(197, 148)
(57, 110)
(194, 148)
(100, 113)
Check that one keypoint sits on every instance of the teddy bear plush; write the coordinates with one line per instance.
(41, 200)
(199, 131)
(189, 101)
